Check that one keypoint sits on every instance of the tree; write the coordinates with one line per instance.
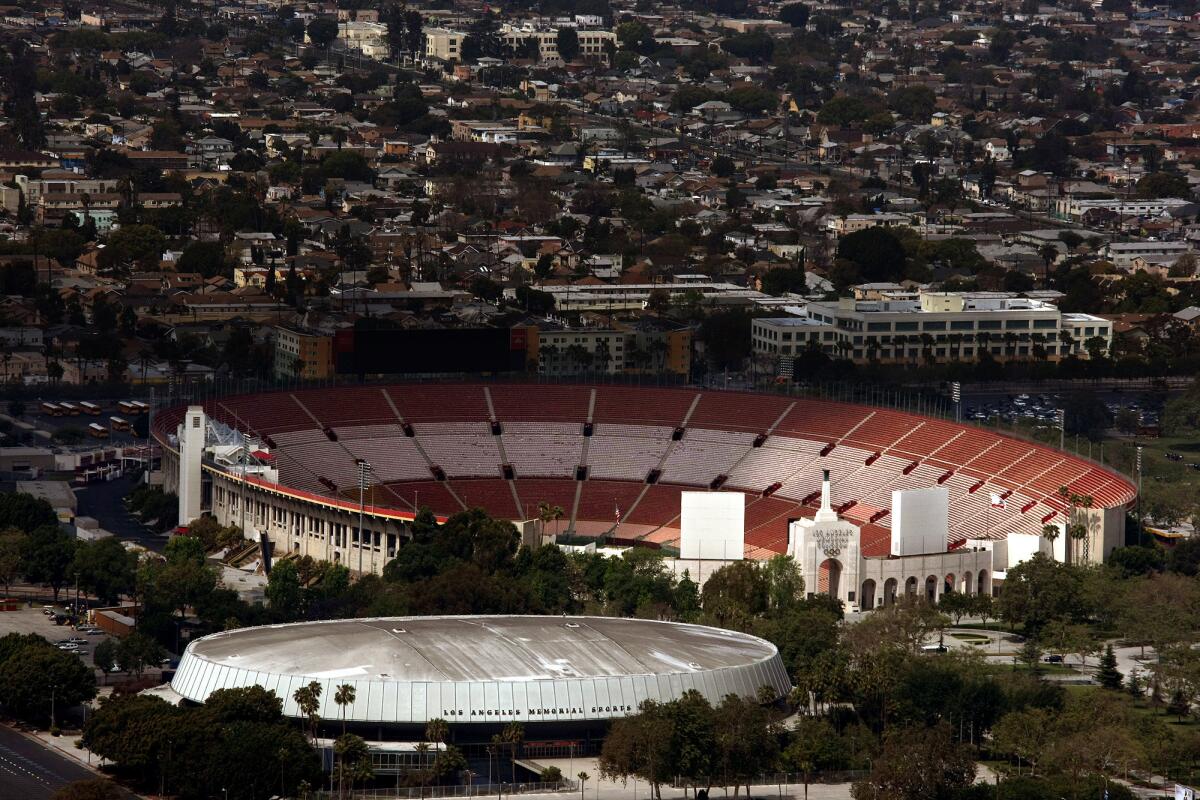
(918, 764)
(38, 680)
(813, 745)
(782, 280)
(1107, 675)
(353, 761)
(49, 553)
(1163, 184)
(105, 568)
(568, 44)
(105, 655)
(90, 789)
(25, 512)
(207, 258)
(284, 590)
(308, 700)
(794, 14)
(957, 605)
(344, 696)
(322, 31)
(876, 251)
(137, 651)
(13, 542)
(1023, 734)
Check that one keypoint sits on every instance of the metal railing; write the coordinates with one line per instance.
(458, 790)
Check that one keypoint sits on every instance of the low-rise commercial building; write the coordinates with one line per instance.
(936, 326)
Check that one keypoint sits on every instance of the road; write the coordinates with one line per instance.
(30, 771)
(103, 501)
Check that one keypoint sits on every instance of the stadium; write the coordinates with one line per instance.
(557, 676)
(619, 461)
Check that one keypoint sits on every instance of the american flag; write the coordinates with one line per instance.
(617, 511)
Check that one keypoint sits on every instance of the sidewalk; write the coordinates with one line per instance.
(64, 745)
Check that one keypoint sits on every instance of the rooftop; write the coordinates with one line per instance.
(496, 648)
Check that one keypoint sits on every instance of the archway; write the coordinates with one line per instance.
(829, 576)
(910, 586)
(984, 581)
(948, 584)
(967, 586)
(931, 588)
(889, 591)
(866, 600)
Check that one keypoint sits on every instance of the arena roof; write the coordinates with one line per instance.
(484, 669)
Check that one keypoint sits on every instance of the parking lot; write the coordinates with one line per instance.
(32, 620)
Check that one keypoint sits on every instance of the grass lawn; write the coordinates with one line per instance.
(1045, 669)
(971, 638)
(993, 625)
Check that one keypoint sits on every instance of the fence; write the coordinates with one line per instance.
(791, 778)
(470, 790)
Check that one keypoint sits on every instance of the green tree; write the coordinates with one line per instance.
(794, 14)
(105, 568)
(918, 764)
(344, 696)
(1108, 675)
(49, 553)
(38, 678)
(25, 512)
(284, 590)
(13, 542)
(137, 651)
(876, 251)
(568, 44)
(322, 31)
(812, 746)
(1163, 184)
(782, 280)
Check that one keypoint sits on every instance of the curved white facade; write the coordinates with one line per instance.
(485, 668)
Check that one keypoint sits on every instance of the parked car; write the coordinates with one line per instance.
(1052, 659)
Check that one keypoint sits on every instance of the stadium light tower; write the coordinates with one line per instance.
(245, 464)
(364, 469)
(956, 395)
(1062, 426)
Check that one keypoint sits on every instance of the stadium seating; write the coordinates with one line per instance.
(622, 451)
(542, 438)
(702, 455)
(544, 450)
(541, 403)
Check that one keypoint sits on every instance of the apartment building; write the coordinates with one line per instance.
(636, 296)
(1074, 208)
(445, 44)
(935, 326)
(851, 223)
(1124, 254)
(592, 43)
(303, 353)
(647, 344)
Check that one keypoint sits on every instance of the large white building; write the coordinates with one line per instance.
(937, 325)
(445, 44)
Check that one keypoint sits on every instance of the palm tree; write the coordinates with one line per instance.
(308, 698)
(422, 753)
(583, 779)
(344, 696)
(437, 730)
(512, 735)
(549, 513)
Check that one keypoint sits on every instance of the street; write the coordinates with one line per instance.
(103, 501)
(29, 771)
